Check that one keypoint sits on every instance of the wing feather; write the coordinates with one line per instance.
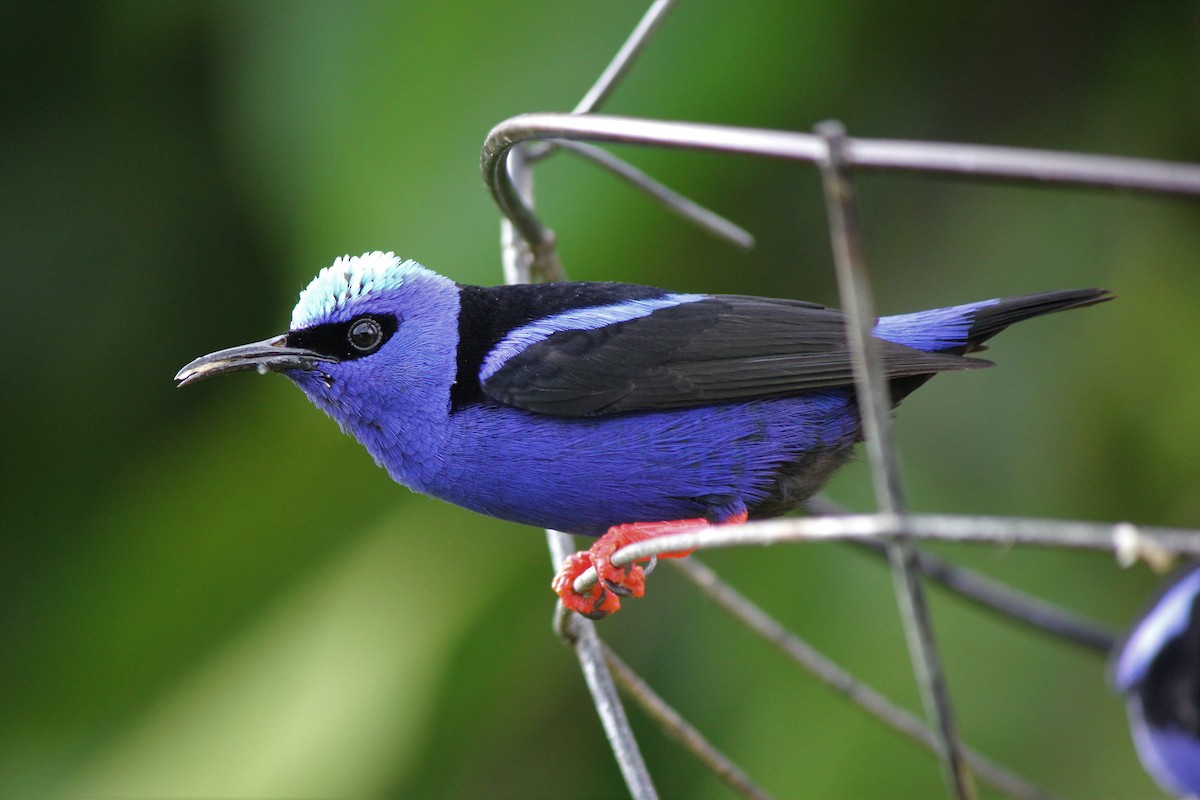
(718, 349)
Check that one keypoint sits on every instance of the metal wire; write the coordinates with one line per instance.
(671, 200)
(1128, 543)
(841, 681)
(678, 728)
(992, 595)
(529, 251)
(995, 596)
(576, 631)
(625, 57)
(976, 161)
(874, 403)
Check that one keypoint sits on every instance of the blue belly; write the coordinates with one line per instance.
(584, 475)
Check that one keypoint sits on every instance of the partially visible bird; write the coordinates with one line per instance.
(1158, 671)
(594, 407)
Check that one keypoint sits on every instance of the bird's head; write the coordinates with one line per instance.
(369, 335)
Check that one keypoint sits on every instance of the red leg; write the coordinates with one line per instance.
(615, 582)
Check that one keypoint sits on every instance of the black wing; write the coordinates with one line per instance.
(721, 348)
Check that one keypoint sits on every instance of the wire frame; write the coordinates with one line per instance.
(528, 253)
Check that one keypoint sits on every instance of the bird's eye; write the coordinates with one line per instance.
(366, 335)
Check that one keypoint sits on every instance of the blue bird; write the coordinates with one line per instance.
(599, 407)
(1158, 670)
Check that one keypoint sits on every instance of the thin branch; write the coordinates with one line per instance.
(841, 681)
(678, 728)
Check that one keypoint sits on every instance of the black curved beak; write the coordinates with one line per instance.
(270, 355)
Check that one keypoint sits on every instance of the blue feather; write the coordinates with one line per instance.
(582, 406)
(1158, 670)
(939, 329)
(1167, 619)
(587, 474)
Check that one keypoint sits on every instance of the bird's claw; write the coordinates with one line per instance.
(627, 581)
(596, 603)
(618, 589)
(613, 582)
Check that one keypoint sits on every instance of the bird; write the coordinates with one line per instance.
(1157, 669)
(609, 410)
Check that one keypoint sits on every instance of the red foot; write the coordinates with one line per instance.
(616, 582)
(598, 603)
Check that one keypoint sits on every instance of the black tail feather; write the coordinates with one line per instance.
(990, 320)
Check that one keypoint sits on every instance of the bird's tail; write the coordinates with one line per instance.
(959, 330)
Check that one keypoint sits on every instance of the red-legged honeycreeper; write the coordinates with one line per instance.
(1158, 671)
(594, 407)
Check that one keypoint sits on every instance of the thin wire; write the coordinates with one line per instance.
(596, 96)
(540, 251)
(992, 595)
(1127, 542)
(978, 161)
(1034, 612)
(678, 728)
(624, 58)
(874, 403)
(515, 253)
(838, 679)
(670, 199)
(583, 639)
(521, 258)
(579, 633)
(616, 69)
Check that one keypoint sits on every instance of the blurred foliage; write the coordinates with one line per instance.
(213, 593)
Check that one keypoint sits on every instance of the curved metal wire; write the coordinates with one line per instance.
(528, 250)
(529, 240)
(1045, 167)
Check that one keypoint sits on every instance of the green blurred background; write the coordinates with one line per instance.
(213, 593)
